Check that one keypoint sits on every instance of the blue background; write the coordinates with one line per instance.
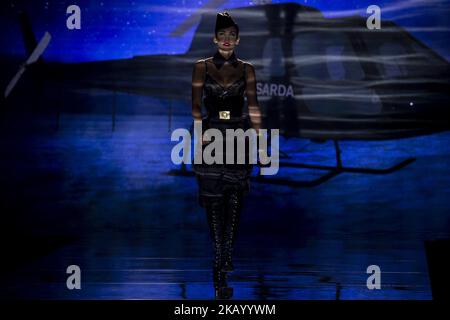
(117, 29)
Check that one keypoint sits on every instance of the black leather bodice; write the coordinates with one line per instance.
(218, 98)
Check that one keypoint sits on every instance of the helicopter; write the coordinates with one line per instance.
(318, 78)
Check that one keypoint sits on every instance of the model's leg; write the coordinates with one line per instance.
(215, 216)
(232, 216)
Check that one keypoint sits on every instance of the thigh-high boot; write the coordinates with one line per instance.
(215, 215)
(233, 210)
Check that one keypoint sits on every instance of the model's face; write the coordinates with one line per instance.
(227, 38)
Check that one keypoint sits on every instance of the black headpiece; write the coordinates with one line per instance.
(224, 20)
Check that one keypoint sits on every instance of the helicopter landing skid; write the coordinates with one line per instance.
(333, 171)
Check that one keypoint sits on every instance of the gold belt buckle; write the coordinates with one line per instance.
(224, 115)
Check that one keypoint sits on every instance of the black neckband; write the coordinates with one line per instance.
(219, 60)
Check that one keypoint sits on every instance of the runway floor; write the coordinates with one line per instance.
(100, 199)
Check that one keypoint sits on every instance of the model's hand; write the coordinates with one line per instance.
(260, 149)
(204, 139)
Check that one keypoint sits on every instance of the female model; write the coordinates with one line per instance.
(225, 81)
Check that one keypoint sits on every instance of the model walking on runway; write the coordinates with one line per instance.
(224, 81)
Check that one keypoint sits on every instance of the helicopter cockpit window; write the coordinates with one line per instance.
(323, 61)
(273, 59)
(341, 56)
(335, 67)
(393, 58)
(402, 56)
(326, 56)
(308, 54)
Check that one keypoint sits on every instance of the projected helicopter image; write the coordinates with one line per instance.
(363, 116)
(318, 78)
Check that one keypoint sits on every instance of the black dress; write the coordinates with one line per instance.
(215, 180)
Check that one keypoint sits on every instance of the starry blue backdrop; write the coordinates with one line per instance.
(118, 29)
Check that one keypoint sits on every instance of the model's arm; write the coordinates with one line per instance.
(252, 99)
(198, 78)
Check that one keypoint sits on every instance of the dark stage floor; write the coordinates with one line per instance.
(102, 200)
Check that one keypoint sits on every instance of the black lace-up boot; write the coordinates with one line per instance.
(232, 216)
(215, 215)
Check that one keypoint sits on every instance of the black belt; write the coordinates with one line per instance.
(224, 115)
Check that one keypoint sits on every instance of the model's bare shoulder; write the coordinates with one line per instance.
(243, 61)
(247, 64)
(199, 66)
(208, 59)
(250, 69)
(199, 62)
